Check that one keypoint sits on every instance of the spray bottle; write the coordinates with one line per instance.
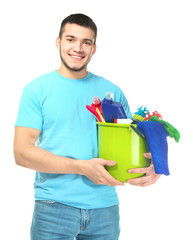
(96, 103)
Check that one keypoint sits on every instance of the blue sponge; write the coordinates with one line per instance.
(156, 137)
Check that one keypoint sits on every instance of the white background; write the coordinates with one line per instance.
(143, 46)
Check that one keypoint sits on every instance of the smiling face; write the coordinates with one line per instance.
(76, 48)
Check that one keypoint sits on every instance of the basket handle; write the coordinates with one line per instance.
(138, 132)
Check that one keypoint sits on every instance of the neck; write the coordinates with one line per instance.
(65, 72)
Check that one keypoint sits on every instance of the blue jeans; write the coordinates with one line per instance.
(56, 221)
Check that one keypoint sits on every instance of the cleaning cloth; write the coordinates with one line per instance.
(173, 132)
(156, 137)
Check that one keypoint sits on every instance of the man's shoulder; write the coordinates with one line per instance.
(104, 81)
(37, 82)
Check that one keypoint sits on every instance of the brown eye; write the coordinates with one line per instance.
(69, 39)
(87, 43)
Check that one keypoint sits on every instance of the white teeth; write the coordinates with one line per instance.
(76, 57)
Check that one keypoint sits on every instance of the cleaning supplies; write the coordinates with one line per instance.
(96, 103)
(149, 128)
(100, 115)
(139, 117)
(93, 110)
(140, 114)
(156, 137)
(123, 121)
(142, 111)
(112, 110)
(173, 132)
(155, 113)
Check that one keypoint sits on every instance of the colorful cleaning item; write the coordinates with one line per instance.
(173, 132)
(139, 117)
(93, 111)
(156, 137)
(151, 128)
(142, 111)
(123, 121)
(155, 113)
(100, 115)
(112, 110)
(96, 103)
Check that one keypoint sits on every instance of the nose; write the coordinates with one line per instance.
(78, 47)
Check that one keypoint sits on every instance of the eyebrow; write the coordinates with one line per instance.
(85, 39)
(70, 36)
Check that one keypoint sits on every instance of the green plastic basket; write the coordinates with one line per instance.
(120, 143)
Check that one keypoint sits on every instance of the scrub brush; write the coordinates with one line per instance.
(142, 111)
(138, 117)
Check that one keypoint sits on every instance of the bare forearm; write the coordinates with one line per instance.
(28, 155)
(40, 160)
(43, 161)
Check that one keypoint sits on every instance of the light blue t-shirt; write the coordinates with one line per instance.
(56, 106)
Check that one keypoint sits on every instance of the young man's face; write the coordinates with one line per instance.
(76, 46)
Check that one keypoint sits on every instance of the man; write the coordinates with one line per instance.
(56, 136)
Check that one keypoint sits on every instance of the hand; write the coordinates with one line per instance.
(150, 178)
(95, 171)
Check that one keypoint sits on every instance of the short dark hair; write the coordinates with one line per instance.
(79, 19)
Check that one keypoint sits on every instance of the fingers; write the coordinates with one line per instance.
(99, 175)
(111, 181)
(141, 170)
(150, 178)
(107, 179)
(147, 155)
(144, 181)
(146, 170)
(108, 162)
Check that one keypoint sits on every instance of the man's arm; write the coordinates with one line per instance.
(28, 155)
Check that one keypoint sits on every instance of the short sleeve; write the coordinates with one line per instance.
(30, 112)
(124, 102)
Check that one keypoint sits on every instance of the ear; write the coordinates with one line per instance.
(58, 42)
(94, 50)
